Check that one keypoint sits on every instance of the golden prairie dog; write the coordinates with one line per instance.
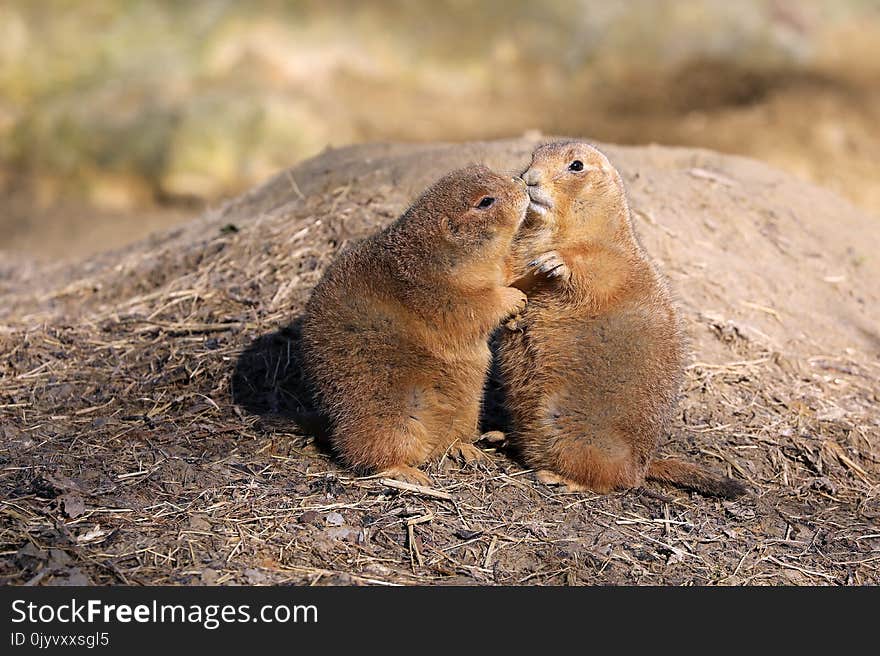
(395, 333)
(592, 372)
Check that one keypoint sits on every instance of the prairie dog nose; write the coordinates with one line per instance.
(531, 177)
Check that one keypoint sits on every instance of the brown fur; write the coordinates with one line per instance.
(593, 369)
(395, 334)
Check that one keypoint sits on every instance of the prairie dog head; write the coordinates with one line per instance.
(569, 181)
(474, 209)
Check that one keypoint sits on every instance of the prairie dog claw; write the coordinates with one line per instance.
(551, 265)
(467, 453)
(548, 477)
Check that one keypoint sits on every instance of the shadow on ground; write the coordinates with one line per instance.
(270, 383)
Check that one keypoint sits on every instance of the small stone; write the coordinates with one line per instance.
(310, 517)
(199, 523)
(346, 533)
(73, 505)
(210, 576)
(255, 577)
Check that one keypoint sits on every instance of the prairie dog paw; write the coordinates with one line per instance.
(493, 437)
(467, 453)
(548, 477)
(515, 301)
(551, 265)
(407, 474)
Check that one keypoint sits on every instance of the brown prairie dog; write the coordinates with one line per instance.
(395, 333)
(593, 370)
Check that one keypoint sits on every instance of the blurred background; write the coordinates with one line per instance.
(120, 117)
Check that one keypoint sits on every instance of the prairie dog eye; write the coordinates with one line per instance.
(576, 165)
(486, 201)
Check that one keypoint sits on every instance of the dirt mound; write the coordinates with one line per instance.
(144, 391)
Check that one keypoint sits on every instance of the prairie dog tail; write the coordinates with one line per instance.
(694, 477)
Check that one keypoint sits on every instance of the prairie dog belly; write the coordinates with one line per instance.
(578, 376)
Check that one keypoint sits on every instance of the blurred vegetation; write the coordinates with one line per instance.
(122, 104)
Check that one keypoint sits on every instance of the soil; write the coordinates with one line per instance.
(145, 397)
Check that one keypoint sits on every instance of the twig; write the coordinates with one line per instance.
(416, 489)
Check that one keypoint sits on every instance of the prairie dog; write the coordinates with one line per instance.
(592, 372)
(395, 335)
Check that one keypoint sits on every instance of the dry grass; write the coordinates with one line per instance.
(144, 442)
